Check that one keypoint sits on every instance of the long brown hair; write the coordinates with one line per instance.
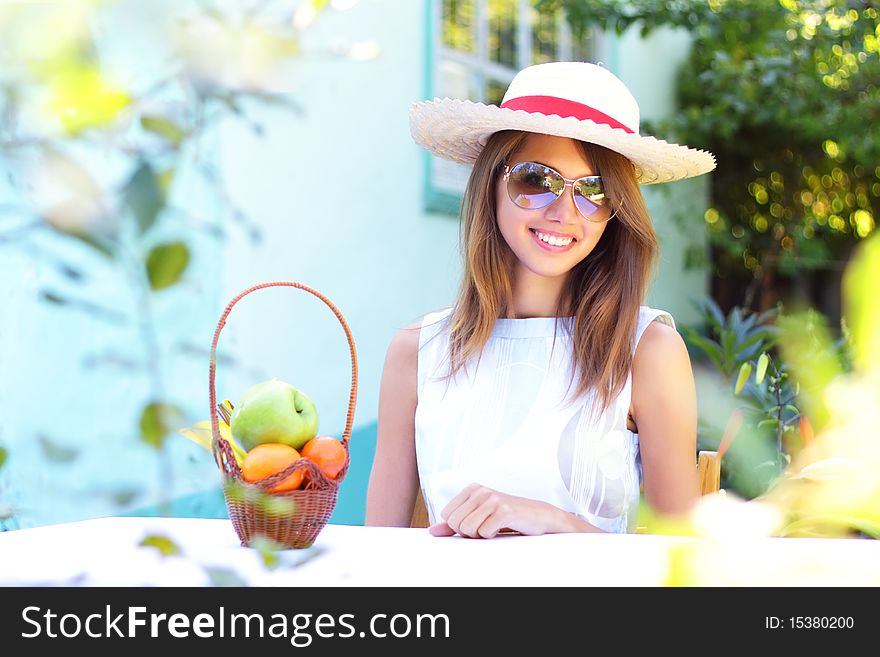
(603, 292)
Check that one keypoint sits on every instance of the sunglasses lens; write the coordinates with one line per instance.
(590, 199)
(533, 186)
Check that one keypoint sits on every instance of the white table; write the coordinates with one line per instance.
(105, 552)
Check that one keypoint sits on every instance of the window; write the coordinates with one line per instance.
(475, 48)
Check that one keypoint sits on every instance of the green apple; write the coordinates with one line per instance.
(274, 412)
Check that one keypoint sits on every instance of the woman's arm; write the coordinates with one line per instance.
(394, 479)
(480, 512)
(665, 411)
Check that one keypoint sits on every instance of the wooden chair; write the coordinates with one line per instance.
(708, 465)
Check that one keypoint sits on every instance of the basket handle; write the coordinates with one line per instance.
(222, 449)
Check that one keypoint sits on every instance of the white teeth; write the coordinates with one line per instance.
(553, 240)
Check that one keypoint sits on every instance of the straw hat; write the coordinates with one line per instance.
(570, 99)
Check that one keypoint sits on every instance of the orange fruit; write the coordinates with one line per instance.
(269, 458)
(327, 453)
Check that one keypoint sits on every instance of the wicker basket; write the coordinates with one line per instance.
(293, 519)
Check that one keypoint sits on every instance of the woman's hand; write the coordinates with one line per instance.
(481, 512)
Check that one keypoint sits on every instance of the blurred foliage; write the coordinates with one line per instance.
(773, 398)
(166, 264)
(93, 144)
(165, 545)
(157, 421)
(735, 338)
(57, 453)
(782, 93)
(255, 497)
(7, 513)
(268, 551)
(755, 422)
(224, 577)
(767, 389)
(862, 307)
(819, 359)
(832, 488)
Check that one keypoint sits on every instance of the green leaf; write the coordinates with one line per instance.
(231, 102)
(4, 454)
(277, 505)
(823, 524)
(748, 323)
(165, 128)
(784, 407)
(166, 264)
(728, 344)
(158, 419)
(744, 373)
(763, 360)
(808, 348)
(734, 321)
(235, 491)
(94, 310)
(712, 313)
(57, 453)
(695, 257)
(165, 545)
(102, 245)
(165, 178)
(862, 303)
(143, 195)
(268, 550)
(709, 347)
(750, 352)
(225, 577)
(53, 297)
(765, 317)
(124, 496)
(761, 338)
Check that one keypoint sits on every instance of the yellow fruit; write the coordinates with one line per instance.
(200, 434)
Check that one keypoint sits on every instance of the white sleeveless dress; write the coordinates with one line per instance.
(510, 423)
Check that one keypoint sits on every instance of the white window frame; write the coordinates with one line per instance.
(444, 180)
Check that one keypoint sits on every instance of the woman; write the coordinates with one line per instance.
(547, 394)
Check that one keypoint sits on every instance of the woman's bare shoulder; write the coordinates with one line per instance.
(403, 351)
(402, 356)
(405, 342)
(659, 343)
(661, 369)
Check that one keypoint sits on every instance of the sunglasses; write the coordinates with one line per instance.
(533, 186)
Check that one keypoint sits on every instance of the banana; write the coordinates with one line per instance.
(200, 434)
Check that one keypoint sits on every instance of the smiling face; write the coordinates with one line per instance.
(550, 241)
